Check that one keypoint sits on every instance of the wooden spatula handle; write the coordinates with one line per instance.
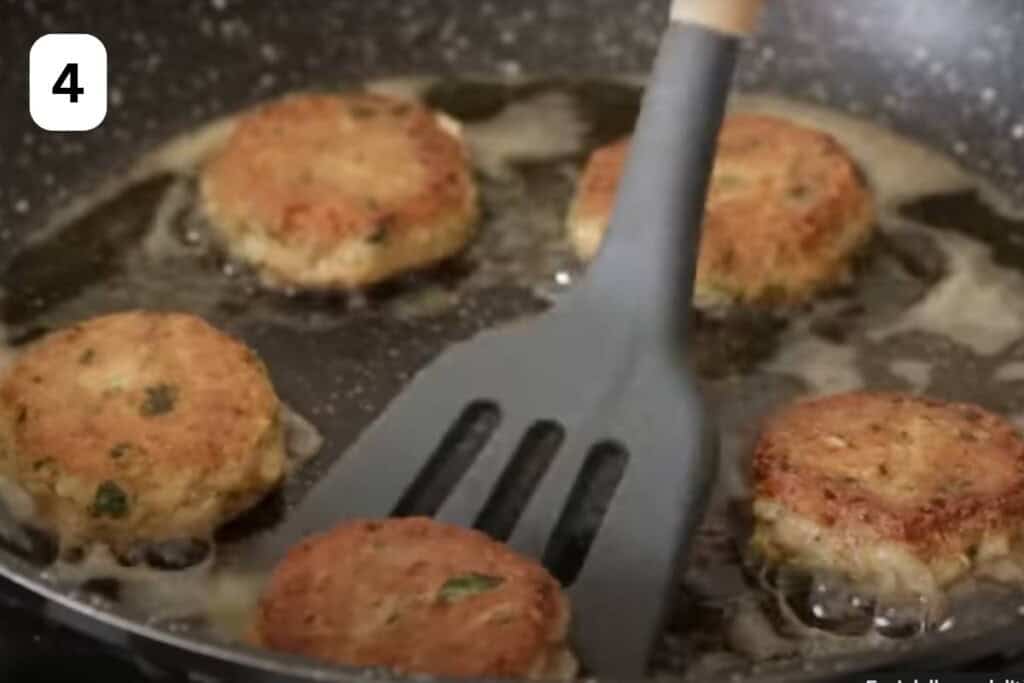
(737, 17)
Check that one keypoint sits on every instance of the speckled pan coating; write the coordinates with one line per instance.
(943, 73)
(946, 76)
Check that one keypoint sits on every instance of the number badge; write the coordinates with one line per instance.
(68, 82)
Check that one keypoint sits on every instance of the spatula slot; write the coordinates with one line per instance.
(450, 460)
(519, 479)
(585, 510)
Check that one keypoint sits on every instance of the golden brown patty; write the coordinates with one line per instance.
(326, 191)
(139, 427)
(417, 596)
(786, 210)
(901, 492)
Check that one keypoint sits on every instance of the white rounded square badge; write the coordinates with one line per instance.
(67, 82)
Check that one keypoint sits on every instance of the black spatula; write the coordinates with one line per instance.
(578, 435)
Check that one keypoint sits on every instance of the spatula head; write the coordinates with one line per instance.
(569, 440)
(576, 436)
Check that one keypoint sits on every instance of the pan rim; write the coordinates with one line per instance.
(111, 626)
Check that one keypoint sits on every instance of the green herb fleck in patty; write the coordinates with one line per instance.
(467, 585)
(110, 501)
(160, 400)
(382, 230)
(120, 449)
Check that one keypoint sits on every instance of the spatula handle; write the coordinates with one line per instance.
(736, 17)
(646, 267)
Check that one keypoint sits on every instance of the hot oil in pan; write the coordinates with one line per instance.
(337, 359)
(142, 241)
(931, 310)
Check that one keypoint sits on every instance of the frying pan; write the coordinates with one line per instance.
(945, 74)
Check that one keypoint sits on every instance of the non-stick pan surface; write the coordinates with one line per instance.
(943, 75)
